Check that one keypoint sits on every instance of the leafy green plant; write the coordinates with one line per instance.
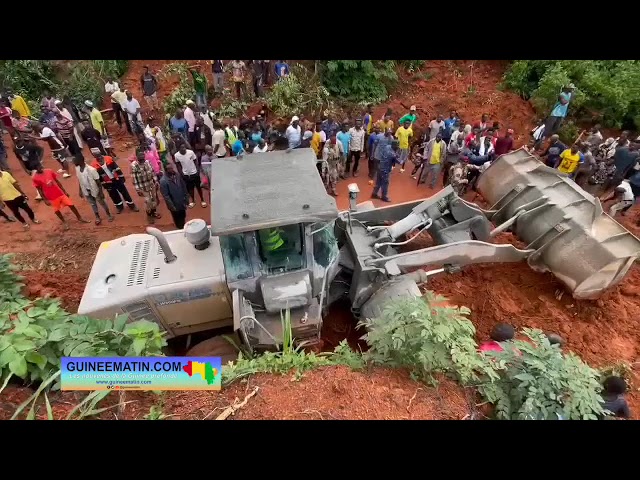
(183, 91)
(427, 337)
(300, 92)
(231, 108)
(608, 89)
(569, 132)
(35, 334)
(538, 381)
(28, 78)
(358, 80)
(289, 357)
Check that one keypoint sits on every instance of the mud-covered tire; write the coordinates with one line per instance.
(216, 347)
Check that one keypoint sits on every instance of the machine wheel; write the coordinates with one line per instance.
(216, 347)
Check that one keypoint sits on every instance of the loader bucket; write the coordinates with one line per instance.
(573, 238)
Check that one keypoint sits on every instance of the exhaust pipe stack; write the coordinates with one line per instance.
(169, 257)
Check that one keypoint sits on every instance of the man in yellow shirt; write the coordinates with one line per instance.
(434, 154)
(96, 117)
(569, 160)
(18, 103)
(386, 123)
(404, 134)
(12, 195)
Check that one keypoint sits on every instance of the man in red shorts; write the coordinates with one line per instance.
(53, 193)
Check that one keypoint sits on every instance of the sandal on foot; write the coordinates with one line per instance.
(98, 221)
(203, 204)
(36, 221)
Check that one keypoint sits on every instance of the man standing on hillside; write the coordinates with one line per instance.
(435, 153)
(200, 86)
(436, 126)
(175, 195)
(90, 187)
(53, 193)
(186, 162)
(217, 68)
(113, 180)
(404, 134)
(146, 184)
(132, 107)
(190, 117)
(411, 116)
(118, 101)
(559, 111)
(388, 157)
(356, 146)
(149, 86)
(96, 117)
(238, 69)
(14, 197)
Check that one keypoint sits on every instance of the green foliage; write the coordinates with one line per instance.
(28, 78)
(77, 80)
(608, 88)
(289, 357)
(569, 132)
(35, 334)
(184, 90)
(300, 92)
(537, 381)
(359, 80)
(231, 108)
(426, 337)
(89, 406)
(156, 413)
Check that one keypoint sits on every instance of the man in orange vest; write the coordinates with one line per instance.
(112, 180)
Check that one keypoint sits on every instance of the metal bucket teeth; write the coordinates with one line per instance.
(574, 239)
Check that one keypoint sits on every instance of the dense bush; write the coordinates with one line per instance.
(36, 334)
(183, 91)
(299, 92)
(539, 382)
(359, 80)
(428, 337)
(607, 90)
(77, 80)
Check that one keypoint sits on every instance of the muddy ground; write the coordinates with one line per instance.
(602, 332)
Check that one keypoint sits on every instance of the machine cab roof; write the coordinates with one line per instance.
(265, 190)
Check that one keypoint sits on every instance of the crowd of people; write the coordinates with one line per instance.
(175, 151)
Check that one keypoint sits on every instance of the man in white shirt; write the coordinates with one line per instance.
(261, 147)
(294, 133)
(58, 149)
(90, 187)
(190, 117)
(218, 140)
(132, 108)
(111, 86)
(625, 196)
(118, 103)
(186, 162)
(356, 146)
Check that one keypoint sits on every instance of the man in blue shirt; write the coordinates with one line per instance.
(329, 126)
(371, 142)
(559, 110)
(282, 69)
(388, 157)
(449, 125)
(344, 137)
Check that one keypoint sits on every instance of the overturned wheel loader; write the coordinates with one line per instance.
(277, 241)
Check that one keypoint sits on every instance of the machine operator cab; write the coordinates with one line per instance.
(275, 223)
